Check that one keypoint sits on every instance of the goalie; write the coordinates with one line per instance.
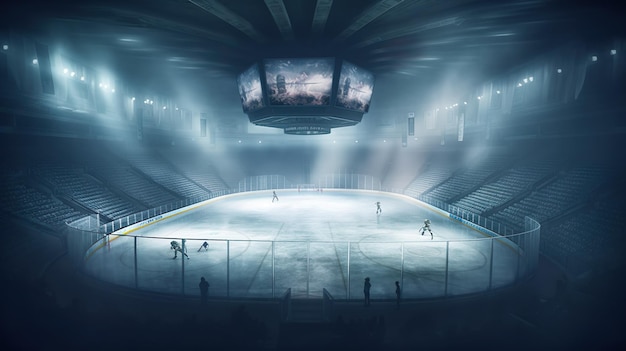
(174, 245)
(427, 227)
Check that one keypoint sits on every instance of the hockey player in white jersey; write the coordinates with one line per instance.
(174, 245)
(427, 227)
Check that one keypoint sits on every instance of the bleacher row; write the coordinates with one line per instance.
(55, 192)
(562, 200)
(32, 204)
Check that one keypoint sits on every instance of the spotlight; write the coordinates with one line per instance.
(464, 102)
(259, 141)
(72, 74)
(594, 58)
(132, 99)
(558, 70)
(5, 47)
(35, 61)
(519, 84)
(531, 78)
(356, 141)
(113, 90)
(165, 107)
(239, 141)
(613, 51)
(384, 141)
(65, 70)
(82, 78)
(497, 91)
(479, 97)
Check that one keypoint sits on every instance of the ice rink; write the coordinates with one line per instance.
(308, 241)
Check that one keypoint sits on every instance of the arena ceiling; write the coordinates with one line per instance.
(209, 41)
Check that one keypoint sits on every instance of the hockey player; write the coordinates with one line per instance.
(205, 246)
(274, 196)
(174, 245)
(427, 227)
(378, 209)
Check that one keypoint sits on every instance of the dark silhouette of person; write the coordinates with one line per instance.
(204, 290)
(205, 246)
(398, 294)
(378, 209)
(274, 196)
(366, 291)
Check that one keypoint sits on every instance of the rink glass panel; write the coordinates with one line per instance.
(387, 260)
(250, 268)
(291, 267)
(113, 247)
(157, 270)
(210, 264)
(469, 263)
(424, 269)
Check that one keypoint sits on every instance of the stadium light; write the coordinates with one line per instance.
(35, 61)
(239, 141)
(65, 70)
(82, 78)
(132, 99)
(5, 47)
(613, 52)
(72, 74)
(497, 91)
(519, 84)
(165, 107)
(558, 70)
(113, 90)
(531, 78)
(594, 58)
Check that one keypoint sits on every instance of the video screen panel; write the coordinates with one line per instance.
(297, 82)
(355, 88)
(249, 83)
